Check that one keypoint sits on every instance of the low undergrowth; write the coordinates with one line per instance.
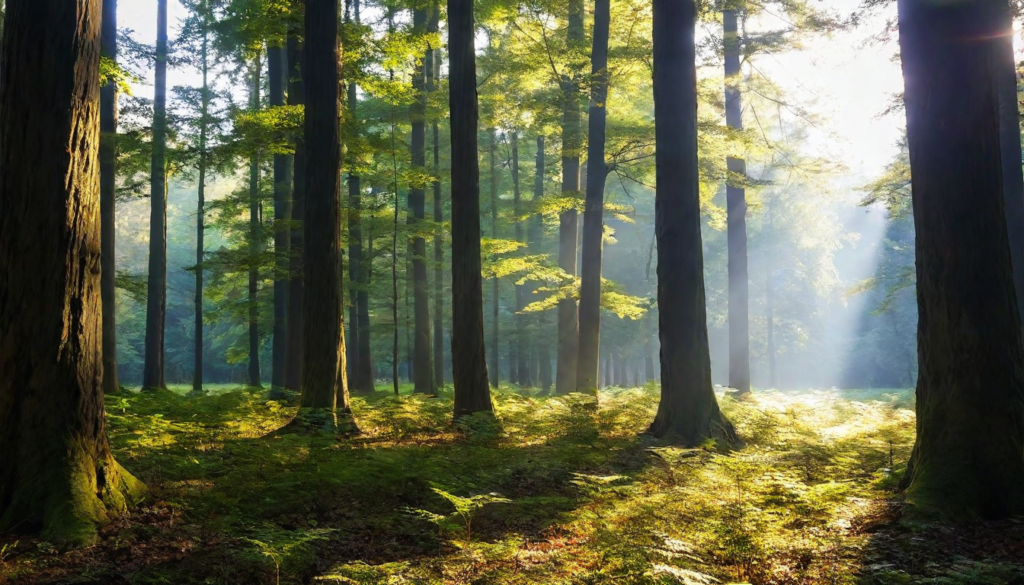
(551, 495)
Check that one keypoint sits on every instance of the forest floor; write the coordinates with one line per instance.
(549, 497)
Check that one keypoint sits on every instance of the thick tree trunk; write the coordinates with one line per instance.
(540, 342)
(523, 377)
(197, 370)
(568, 221)
(969, 457)
(108, 191)
(324, 356)
(736, 218)
(688, 411)
(58, 474)
(156, 282)
(433, 67)
(296, 289)
(469, 360)
(255, 237)
(277, 67)
(495, 370)
(593, 211)
(423, 364)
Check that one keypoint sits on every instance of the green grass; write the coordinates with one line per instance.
(551, 496)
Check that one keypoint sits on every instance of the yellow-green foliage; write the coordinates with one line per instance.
(556, 493)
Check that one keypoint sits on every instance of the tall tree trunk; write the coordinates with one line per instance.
(255, 237)
(197, 370)
(593, 212)
(58, 474)
(277, 67)
(519, 340)
(324, 355)
(568, 221)
(469, 360)
(423, 364)
(156, 282)
(495, 308)
(736, 218)
(688, 411)
(433, 67)
(108, 191)
(769, 288)
(968, 460)
(361, 380)
(296, 288)
(541, 341)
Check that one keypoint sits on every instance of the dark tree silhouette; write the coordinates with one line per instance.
(469, 360)
(296, 289)
(156, 283)
(593, 211)
(58, 474)
(968, 460)
(108, 191)
(277, 67)
(688, 411)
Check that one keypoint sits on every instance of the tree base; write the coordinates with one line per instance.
(320, 421)
(682, 431)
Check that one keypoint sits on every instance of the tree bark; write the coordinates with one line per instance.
(58, 474)
(296, 289)
(523, 376)
(156, 282)
(360, 365)
(495, 371)
(544, 377)
(433, 67)
(1009, 137)
(423, 363)
(324, 356)
(688, 411)
(593, 211)
(568, 220)
(255, 244)
(469, 360)
(108, 191)
(736, 220)
(968, 460)
(277, 67)
(197, 370)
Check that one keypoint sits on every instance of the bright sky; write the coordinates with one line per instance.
(850, 80)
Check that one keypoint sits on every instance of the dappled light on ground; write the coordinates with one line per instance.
(551, 496)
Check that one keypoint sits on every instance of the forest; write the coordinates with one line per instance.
(470, 292)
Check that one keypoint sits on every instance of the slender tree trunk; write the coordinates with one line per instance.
(568, 228)
(770, 294)
(495, 314)
(593, 212)
(469, 360)
(523, 377)
(433, 67)
(541, 342)
(688, 411)
(277, 67)
(255, 238)
(58, 474)
(968, 460)
(423, 364)
(296, 288)
(736, 212)
(156, 282)
(108, 191)
(197, 370)
(361, 379)
(324, 355)
(394, 282)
